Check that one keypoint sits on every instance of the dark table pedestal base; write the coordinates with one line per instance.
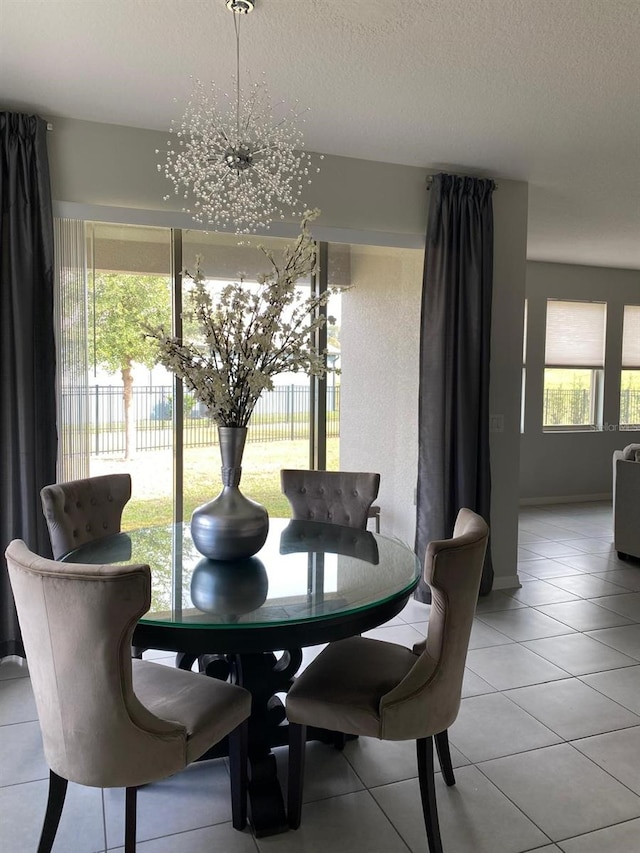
(263, 675)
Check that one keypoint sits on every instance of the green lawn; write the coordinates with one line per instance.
(151, 502)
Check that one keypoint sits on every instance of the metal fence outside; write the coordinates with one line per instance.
(567, 407)
(572, 407)
(629, 409)
(280, 415)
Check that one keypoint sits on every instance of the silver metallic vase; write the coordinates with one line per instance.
(230, 527)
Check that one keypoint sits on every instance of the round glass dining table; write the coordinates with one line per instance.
(311, 583)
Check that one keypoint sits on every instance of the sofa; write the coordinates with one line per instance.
(626, 501)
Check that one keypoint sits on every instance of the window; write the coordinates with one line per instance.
(119, 410)
(574, 361)
(279, 433)
(630, 376)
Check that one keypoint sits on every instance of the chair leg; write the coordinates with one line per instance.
(297, 743)
(238, 740)
(339, 740)
(130, 803)
(426, 777)
(55, 802)
(444, 757)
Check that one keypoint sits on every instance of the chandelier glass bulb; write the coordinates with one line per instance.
(238, 161)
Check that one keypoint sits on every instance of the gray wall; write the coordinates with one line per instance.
(110, 173)
(509, 271)
(108, 165)
(380, 339)
(572, 464)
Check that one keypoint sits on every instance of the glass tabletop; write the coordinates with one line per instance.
(306, 571)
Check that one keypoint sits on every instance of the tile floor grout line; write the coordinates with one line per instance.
(183, 832)
(587, 674)
(548, 725)
(514, 804)
(591, 832)
(396, 830)
(104, 819)
(24, 782)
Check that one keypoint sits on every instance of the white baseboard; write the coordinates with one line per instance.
(566, 499)
(506, 582)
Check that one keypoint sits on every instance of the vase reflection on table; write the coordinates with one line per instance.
(229, 589)
(231, 526)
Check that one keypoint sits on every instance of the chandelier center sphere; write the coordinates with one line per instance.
(238, 159)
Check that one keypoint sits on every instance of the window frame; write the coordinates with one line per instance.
(626, 368)
(596, 384)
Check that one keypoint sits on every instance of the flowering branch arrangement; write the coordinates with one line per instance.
(248, 336)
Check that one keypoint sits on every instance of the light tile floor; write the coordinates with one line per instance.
(546, 745)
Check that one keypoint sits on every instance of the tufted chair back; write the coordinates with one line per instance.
(106, 720)
(336, 497)
(77, 622)
(370, 687)
(83, 510)
(427, 699)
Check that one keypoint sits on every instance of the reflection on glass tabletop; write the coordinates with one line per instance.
(305, 571)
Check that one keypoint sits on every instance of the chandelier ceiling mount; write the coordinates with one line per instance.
(241, 7)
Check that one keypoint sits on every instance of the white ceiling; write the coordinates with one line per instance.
(546, 91)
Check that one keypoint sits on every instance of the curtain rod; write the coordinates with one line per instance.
(430, 181)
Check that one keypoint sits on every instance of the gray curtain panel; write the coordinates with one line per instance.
(28, 438)
(453, 442)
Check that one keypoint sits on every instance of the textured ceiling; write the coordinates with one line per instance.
(545, 91)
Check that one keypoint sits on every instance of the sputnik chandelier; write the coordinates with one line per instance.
(235, 163)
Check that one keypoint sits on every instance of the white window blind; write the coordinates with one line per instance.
(575, 334)
(631, 337)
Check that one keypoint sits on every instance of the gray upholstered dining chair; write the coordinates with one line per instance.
(337, 497)
(369, 687)
(109, 721)
(83, 510)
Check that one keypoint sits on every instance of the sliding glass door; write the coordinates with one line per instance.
(278, 435)
(120, 411)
